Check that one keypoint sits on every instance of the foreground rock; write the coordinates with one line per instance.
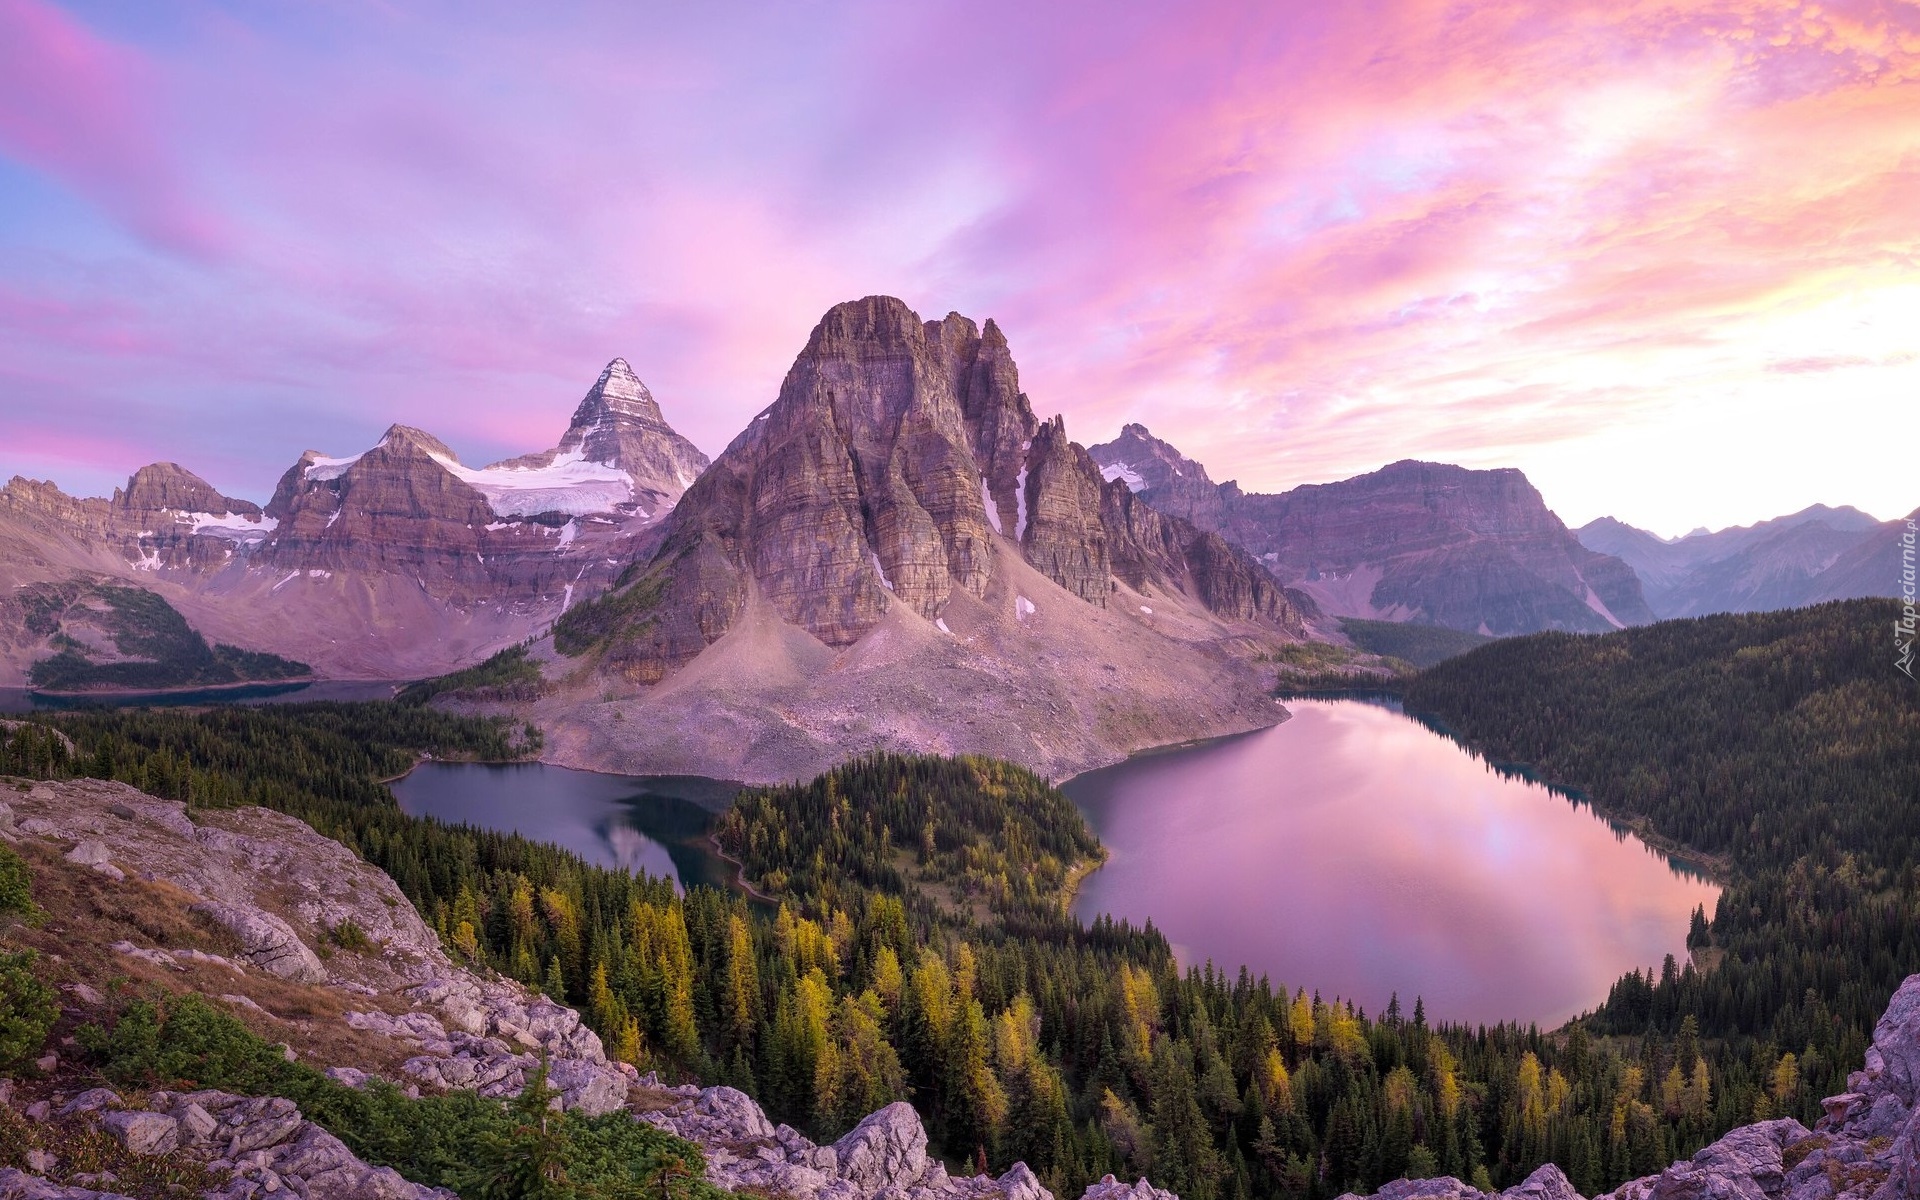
(278, 888)
(884, 1157)
(264, 1144)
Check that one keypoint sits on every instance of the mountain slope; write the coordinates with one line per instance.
(395, 562)
(1429, 543)
(885, 556)
(1814, 555)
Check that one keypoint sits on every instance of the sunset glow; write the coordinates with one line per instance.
(1663, 257)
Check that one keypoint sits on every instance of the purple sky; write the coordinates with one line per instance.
(1662, 257)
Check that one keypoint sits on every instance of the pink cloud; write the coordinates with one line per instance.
(1312, 238)
(82, 109)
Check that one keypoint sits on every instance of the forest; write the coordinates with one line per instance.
(908, 936)
(153, 645)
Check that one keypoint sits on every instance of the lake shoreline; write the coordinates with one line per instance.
(1361, 851)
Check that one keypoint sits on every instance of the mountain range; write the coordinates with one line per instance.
(395, 562)
(1428, 543)
(897, 553)
(1814, 555)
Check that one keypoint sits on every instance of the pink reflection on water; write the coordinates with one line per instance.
(1353, 851)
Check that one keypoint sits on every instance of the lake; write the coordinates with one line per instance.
(653, 823)
(1350, 849)
(22, 700)
(1353, 850)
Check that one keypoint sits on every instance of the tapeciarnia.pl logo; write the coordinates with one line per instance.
(1903, 629)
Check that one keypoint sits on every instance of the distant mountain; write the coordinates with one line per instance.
(1816, 554)
(898, 553)
(395, 562)
(1429, 543)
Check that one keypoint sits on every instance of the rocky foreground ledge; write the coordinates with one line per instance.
(276, 888)
(411, 1015)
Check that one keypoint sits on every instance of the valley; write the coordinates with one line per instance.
(917, 924)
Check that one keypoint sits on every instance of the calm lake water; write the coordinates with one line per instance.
(652, 823)
(20, 700)
(1355, 851)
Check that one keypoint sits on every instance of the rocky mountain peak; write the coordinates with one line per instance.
(1145, 461)
(405, 440)
(1169, 480)
(898, 460)
(165, 486)
(617, 393)
(619, 424)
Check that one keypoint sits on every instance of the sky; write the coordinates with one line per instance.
(1664, 258)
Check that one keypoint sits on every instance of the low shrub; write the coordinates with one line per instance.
(482, 1149)
(28, 1009)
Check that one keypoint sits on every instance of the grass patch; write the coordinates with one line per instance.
(475, 1146)
(584, 626)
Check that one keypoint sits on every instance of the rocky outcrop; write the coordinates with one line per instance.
(1424, 542)
(265, 1144)
(884, 1157)
(266, 941)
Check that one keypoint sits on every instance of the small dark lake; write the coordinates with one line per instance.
(21, 700)
(1353, 850)
(653, 823)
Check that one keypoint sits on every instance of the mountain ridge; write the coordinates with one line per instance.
(1817, 554)
(1476, 551)
(395, 562)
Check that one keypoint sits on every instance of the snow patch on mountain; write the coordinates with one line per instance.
(323, 468)
(230, 525)
(569, 484)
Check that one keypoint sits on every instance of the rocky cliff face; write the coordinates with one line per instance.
(1817, 554)
(1425, 542)
(897, 461)
(394, 562)
(897, 553)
